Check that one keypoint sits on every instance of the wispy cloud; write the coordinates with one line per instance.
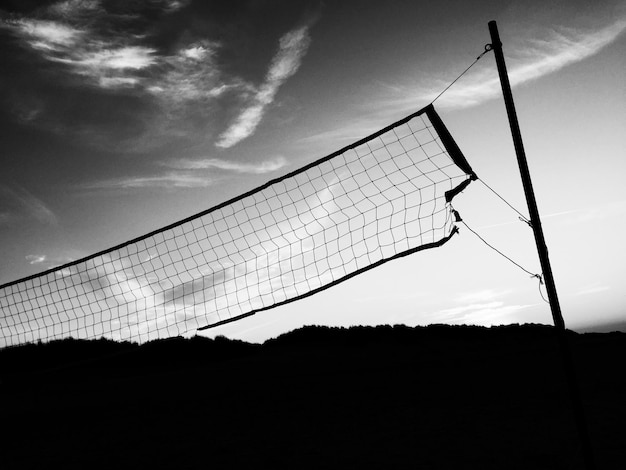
(292, 49)
(530, 62)
(46, 35)
(191, 74)
(67, 35)
(84, 36)
(608, 209)
(98, 62)
(535, 59)
(113, 47)
(27, 204)
(167, 181)
(182, 79)
(73, 9)
(187, 174)
(456, 313)
(266, 166)
(593, 289)
(36, 259)
(172, 6)
(484, 307)
(487, 314)
(486, 295)
(544, 217)
(350, 130)
(391, 296)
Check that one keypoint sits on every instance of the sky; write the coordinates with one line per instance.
(120, 117)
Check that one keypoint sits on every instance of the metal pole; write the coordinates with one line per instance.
(542, 249)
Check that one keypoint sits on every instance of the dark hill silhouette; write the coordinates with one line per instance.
(317, 397)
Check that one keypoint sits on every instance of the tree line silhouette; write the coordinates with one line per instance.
(317, 397)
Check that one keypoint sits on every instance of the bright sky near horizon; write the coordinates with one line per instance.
(121, 117)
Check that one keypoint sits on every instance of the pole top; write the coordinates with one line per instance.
(495, 35)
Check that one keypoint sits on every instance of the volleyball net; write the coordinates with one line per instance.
(383, 197)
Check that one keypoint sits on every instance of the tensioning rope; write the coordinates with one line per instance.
(522, 217)
(487, 49)
(458, 218)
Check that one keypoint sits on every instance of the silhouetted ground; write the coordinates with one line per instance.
(385, 397)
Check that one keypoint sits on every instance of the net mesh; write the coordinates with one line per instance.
(381, 198)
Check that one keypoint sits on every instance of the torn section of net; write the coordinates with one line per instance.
(383, 197)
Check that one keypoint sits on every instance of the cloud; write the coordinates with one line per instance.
(175, 77)
(113, 286)
(349, 131)
(70, 36)
(456, 312)
(25, 203)
(73, 9)
(195, 52)
(544, 217)
(266, 166)
(98, 62)
(486, 295)
(537, 58)
(593, 289)
(489, 313)
(77, 9)
(36, 259)
(168, 181)
(606, 210)
(85, 37)
(173, 86)
(390, 297)
(171, 6)
(112, 66)
(46, 35)
(199, 290)
(118, 82)
(190, 76)
(484, 307)
(292, 49)
(186, 174)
